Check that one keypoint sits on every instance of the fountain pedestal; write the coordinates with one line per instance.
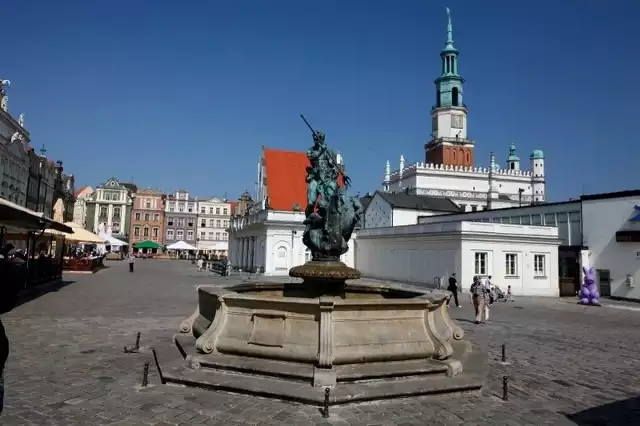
(290, 340)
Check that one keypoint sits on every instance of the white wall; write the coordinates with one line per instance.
(601, 220)
(418, 253)
(276, 245)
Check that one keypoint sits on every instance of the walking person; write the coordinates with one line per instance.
(200, 263)
(479, 298)
(132, 261)
(453, 288)
(9, 289)
(509, 295)
(488, 288)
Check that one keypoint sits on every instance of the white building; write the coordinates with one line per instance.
(611, 237)
(109, 209)
(80, 205)
(14, 158)
(270, 241)
(397, 209)
(213, 226)
(449, 169)
(269, 237)
(523, 257)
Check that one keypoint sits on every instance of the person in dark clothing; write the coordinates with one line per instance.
(9, 288)
(132, 260)
(453, 288)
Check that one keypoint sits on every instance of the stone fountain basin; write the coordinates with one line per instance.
(364, 324)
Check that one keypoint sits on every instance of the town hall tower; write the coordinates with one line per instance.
(449, 144)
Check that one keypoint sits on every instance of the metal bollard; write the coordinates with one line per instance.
(504, 352)
(133, 349)
(505, 388)
(155, 359)
(325, 411)
(138, 341)
(145, 374)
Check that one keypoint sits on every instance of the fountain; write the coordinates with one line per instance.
(293, 340)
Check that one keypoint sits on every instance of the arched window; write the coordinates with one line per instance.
(468, 157)
(454, 97)
(453, 155)
(438, 98)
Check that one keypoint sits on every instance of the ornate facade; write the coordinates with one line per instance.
(14, 148)
(181, 215)
(449, 168)
(147, 216)
(109, 209)
(80, 205)
(213, 226)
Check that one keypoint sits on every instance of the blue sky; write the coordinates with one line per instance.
(183, 93)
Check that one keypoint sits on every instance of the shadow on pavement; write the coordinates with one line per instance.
(619, 413)
(35, 292)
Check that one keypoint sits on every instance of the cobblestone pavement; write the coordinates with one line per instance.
(68, 367)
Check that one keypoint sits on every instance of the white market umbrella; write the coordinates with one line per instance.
(181, 245)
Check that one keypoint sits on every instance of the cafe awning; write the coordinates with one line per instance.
(78, 234)
(146, 245)
(15, 217)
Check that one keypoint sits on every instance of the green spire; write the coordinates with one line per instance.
(449, 48)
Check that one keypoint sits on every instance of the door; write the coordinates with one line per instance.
(604, 281)
(569, 272)
(281, 259)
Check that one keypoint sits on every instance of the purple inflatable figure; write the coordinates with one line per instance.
(589, 293)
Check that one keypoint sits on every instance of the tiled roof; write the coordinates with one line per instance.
(79, 190)
(402, 200)
(286, 173)
(286, 178)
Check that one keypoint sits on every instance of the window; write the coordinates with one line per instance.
(203, 235)
(218, 223)
(136, 231)
(226, 224)
(169, 234)
(116, 212)
(172, 206)
(179, 234)
(155, 232)
(210, 210)
(107, 196)
(148, 204)
(190, 222)
(474, 208)
(203, 210)
(156, 217)
(180, 207)
(217, 235)
(203, 223)
(550, 219)
(481, 263)
(225, 211)
(103, 211)
(115, 196)
(211, 236)
(217, 210)
(189, 235)
(137, 216)
(511, 265)
(170, 221)
(190, 208)
(539, 265)
(225, 236)
(115, 227)
(147, 216)
(181, 221)
(212, 223)
(145, 231)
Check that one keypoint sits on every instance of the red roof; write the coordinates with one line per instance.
(232, 207)
(287, 178)
(79, 190)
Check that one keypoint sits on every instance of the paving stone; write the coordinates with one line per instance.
(566, 363)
